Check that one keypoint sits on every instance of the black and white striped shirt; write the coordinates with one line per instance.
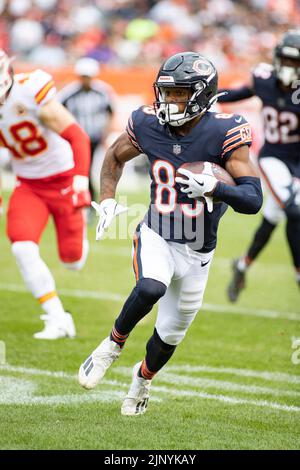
(91, 108)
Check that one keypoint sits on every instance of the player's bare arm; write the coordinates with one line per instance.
(120, 152)
(57, 118)
(239, 164)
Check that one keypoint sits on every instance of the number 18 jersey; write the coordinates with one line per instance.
(37, 152)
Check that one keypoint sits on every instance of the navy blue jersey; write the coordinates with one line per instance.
(281, 118)
(171, 213)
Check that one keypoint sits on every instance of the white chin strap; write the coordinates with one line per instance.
(287, 75)
(169, 114)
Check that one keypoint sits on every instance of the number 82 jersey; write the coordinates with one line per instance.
(281, 114)
(37, 152)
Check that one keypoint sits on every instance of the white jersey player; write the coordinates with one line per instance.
(50, 158)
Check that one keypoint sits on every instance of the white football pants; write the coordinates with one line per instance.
(278, 181)
(184, 272)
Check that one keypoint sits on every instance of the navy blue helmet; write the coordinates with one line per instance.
(287, 57)
(189, 70)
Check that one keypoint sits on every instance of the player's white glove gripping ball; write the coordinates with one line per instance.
(198, 185)
(106, 210)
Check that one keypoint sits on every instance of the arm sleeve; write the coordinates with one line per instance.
(246, 197)
(80, 143)
(235, 94)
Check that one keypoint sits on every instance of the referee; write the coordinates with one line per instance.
(91, 102)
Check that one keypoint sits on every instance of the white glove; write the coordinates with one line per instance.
(106, 210)
(81, 196)
(198, 185)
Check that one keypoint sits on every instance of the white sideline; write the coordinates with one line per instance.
(107, 395)
(215, 308)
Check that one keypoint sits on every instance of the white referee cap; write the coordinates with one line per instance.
(87, 67)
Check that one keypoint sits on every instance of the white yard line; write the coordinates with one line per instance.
(22, 392)
(222, 262)
(265, 375)
(215, 308)
(227, 399)
(204, 383)
(82, 294)
(233, 309)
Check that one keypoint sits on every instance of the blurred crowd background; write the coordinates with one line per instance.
(130, 38)
(137, 32)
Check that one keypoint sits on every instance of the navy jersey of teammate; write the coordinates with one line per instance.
(279, 158)
(171, 212)
(168, 267)
(281, 118)
(273, 84)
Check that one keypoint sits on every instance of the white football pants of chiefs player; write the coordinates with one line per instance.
(279, 183)
(184, 272)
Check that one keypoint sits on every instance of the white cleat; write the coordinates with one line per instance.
(95, 366)
(136, 401)
(57, 327)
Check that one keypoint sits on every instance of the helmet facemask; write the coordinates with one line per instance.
(287, 58)
(168, 113)
(286, 71)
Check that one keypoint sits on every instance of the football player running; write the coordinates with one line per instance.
(51, 159)
(279, 158)
(171, 264)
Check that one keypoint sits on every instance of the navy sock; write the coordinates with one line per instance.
(157, 355)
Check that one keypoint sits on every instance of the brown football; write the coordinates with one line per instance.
(220, 173)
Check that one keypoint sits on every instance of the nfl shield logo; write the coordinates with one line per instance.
(177, 149)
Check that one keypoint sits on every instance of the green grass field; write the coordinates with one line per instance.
(231, 384)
